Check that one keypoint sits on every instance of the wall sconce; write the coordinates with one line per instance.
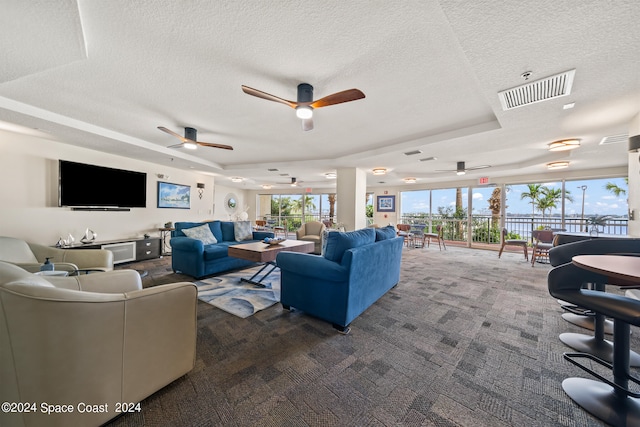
(200, 186)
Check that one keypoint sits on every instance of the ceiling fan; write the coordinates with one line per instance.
(189, 140)
(294, 182)
(305, 104)
(461, 169)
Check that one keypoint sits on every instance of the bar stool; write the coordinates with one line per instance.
(595, 344)
(611, 401)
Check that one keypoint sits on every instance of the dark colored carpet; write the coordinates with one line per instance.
(465, 339)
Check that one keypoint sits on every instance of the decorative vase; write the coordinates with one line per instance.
(89, 236)
(594, 231)
(47, 266)
(70, 239)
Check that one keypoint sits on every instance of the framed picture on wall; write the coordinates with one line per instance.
(174, 195)
(386, 203)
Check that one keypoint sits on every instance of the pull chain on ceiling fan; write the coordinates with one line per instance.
(305, 104)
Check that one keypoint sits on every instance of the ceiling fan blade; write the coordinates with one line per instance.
(338, 98)
(181, 145)
(307, 124)
(208, 144)
(264, 95)
(170, 132)
(478, 167)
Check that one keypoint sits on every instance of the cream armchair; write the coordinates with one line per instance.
(95, 339)
(30, 256)
(312, 232)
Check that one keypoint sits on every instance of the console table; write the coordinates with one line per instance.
(125, 250)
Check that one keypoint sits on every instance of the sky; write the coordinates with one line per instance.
(597, 200)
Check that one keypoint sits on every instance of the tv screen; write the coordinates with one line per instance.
(83, 185)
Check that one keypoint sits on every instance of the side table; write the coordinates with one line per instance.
(164, 234)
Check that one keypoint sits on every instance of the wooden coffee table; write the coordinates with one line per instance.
(262, 252)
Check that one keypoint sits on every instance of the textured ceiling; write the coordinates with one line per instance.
(104, 75)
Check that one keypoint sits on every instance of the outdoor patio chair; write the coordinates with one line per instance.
(512, 242)
(543, 242)
(438, 235)
(404, 231)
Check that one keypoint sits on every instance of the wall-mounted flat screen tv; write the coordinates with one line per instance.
(91, 186)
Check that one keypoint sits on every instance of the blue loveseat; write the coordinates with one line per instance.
(355, 270)
(192, 257)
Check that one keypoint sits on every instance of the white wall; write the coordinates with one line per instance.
(28, 194)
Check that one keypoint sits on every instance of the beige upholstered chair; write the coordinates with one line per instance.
(30, 256)
(312, 232)
(95, 338)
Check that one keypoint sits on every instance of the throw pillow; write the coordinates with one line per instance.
(242, 230)
(384, 233)
(202, 233)
(339, 242)
(324, 239)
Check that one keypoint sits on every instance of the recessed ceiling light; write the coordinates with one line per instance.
(330, 175)
(236, 179)
(568, 106)
(564, 145)
(409, 180)
(266, 186)
(557, 165)
(379, 171)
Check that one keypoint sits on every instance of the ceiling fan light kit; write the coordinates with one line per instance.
(564, 145)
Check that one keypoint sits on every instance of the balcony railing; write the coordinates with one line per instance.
(487, 231)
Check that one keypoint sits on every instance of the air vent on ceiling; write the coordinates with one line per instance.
(272, 170)
(615, 139)
(428, 159)
(411, 153)
(537, 91)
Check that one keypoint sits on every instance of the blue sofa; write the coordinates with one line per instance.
(355, 270)
(192, 257)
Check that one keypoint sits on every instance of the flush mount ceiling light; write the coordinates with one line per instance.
(557, 165)
(564, 145)
(379, 171)
(330, 175)
(266, 186)
(409, 180)
(236, 179)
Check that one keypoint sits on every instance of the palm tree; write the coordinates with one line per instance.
(615, 188)
(550, 197)
(534, 193)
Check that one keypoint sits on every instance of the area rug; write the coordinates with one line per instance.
(241, 299)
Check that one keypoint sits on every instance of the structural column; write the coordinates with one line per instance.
(634, 176)
(351, 195)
